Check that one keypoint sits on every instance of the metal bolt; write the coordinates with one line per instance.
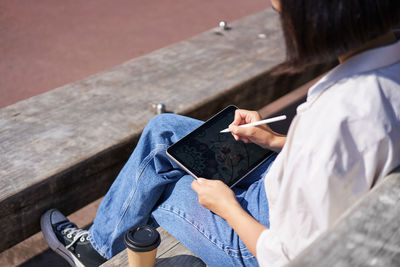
(223, 25)
(159, 108)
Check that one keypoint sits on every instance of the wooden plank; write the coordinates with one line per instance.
(367, 235)
(169, 253)
(63, 148)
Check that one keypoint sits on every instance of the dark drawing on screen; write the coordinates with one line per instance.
(218, 156)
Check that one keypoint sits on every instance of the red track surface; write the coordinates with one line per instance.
(45, 44)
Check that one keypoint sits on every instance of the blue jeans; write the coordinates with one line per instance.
(152, 189)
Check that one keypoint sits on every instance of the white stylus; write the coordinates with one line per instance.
(274, 119)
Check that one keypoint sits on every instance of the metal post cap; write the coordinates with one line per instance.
(159, 108)
(223, 24)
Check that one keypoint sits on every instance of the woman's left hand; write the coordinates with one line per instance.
(216, 196)
(220, 199)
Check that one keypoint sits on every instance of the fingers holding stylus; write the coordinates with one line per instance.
(243, 116)
(247, 127)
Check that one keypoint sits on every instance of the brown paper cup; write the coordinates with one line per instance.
(142, 243)
(141, 259)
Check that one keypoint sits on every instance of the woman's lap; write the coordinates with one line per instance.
(150, 181)
(207, 235)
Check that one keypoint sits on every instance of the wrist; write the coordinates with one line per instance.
(277, 142)
(233, 212)
(236, 216)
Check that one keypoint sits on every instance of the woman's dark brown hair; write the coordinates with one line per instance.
(319, 31)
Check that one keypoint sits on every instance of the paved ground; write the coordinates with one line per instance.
(45, 44)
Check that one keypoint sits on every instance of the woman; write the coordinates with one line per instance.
(343, 140)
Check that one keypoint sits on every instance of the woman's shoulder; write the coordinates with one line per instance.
(364, 108)
(373, 95)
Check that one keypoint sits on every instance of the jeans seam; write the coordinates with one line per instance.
(222, 247)
(146, 161)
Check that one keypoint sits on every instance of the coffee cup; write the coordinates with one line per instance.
(142, 243)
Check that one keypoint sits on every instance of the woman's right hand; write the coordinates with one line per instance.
(261, 135)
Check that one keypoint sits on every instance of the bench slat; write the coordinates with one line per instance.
(368, 234)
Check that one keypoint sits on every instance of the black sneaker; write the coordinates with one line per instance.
(67, 240)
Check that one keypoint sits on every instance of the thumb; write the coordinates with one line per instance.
(234, 129)
(196, 184)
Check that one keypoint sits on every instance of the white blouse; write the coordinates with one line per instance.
(343, 140)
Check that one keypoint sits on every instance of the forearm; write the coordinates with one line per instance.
(248, 229)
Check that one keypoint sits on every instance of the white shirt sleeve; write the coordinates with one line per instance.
(269, 249)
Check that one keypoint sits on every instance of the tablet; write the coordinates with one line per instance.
(207, 153)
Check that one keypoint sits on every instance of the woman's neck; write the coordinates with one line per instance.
(382, 40)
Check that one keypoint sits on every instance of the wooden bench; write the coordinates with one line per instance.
(368, 234)
(64, 148)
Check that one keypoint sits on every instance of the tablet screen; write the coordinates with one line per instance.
(207, 153)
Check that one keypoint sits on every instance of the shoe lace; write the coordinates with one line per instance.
(71, 230)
